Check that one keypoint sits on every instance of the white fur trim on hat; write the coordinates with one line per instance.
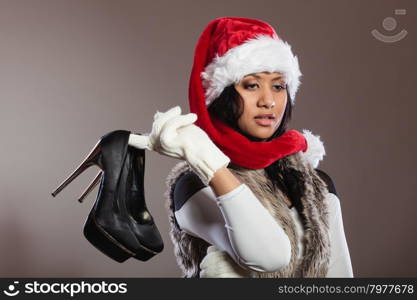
(261, 54)
(315, 148)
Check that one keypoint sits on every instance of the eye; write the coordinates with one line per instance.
(280, 87)
(250, 86)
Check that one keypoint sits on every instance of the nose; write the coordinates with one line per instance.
(266, 98)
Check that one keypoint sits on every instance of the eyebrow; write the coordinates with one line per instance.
(259, 77)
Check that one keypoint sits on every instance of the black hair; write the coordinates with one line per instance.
(228, 108)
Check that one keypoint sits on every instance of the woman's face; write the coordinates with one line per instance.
(259, 91)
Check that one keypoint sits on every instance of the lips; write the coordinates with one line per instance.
(265, 116)
(265, 119)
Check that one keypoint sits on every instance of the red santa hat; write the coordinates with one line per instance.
(229, 49)
(241, 46)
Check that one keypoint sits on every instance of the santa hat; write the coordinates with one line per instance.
(241, 46)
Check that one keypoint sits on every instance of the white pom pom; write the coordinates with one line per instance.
(315, 148)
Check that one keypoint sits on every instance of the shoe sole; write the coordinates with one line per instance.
(108, 245)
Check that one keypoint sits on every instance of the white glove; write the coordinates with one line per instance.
(176, 136)
(180, 138)
(218, 264)
(150, 141)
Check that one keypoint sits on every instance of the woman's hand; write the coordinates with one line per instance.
(176, 136)
(180, 138)
(150, 141)
(218, 264)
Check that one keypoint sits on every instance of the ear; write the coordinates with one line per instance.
(315, 149)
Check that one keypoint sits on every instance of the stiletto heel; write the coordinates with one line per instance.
(116, 225)
(91, 186)
(87, 162)
(106, 227)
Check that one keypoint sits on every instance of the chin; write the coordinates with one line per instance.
(262, 135)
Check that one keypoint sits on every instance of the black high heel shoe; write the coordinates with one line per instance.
(143, 225)
(109, 225)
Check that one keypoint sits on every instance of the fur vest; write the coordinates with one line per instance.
(190, 250)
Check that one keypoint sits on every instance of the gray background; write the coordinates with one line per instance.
(71, 71)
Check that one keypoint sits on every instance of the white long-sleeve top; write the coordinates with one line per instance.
(240, 225)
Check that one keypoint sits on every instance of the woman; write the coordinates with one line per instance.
(247, 200)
